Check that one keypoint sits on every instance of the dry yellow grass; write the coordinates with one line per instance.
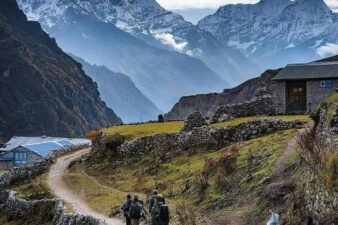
(236, 121)
(146, 129)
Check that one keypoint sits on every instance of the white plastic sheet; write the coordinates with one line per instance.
(273, 220)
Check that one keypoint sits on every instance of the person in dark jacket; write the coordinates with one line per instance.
(125, 208)
(135, 211)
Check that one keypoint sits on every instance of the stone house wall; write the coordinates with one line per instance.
(315, 94)
(280, 96)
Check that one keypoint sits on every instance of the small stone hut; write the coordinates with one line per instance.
(301, 87)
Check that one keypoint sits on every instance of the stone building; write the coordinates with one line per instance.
(301, 87)
(26, 150)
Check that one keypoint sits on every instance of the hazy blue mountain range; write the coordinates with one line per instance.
(89, 29)
(121, 94)
(148, 21)
(43, 90)
(273, 33)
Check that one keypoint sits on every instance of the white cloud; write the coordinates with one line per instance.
(329, 49)
(168, 39)
(200, 4)
(213, 4)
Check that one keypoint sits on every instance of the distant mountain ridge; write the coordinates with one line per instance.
(43, 90)
(276, 32)
(207, 104)
(121, 94)
(83, 29)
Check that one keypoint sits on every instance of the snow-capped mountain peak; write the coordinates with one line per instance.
(275, 32)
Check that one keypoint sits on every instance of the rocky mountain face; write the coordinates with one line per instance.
(83, 29)
(207, 104)
(121, 94)
(43, 90)
(275, 32)
(148, 21)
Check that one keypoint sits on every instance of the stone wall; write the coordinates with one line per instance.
(258, 106)
(44, 210)
(203, 138)
(315, 94)
(320, 202)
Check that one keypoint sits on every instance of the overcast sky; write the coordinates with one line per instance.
(184, 4)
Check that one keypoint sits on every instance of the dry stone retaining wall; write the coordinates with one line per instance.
(202, 138)
(48, 209)
(257, 106)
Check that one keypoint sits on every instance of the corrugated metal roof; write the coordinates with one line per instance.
(309, 71)
(22, 141)
(44, 149)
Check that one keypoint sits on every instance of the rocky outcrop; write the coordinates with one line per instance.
(45, 210)
(195, 120)
(207, 104)
(258, 106)
(43, 90)
(199, 139)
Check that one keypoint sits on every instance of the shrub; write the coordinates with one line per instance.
(221, 180)
(228, 160)
(160, 118)
(313, 151)
(93, 134)
(112, 142)
(186, 215)
(330, 173)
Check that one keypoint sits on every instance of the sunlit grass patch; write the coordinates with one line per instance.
(237, 121)
(145, 129)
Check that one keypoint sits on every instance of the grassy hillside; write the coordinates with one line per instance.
(180, 179)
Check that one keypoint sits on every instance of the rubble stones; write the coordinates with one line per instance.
(53, 209)
(257, 106)
(195, 119)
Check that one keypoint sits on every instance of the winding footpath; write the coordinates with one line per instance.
(60, 189)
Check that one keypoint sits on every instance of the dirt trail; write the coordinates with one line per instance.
(278, 168)
(60, 189)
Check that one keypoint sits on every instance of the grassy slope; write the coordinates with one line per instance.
(141, 130)
(106, 191)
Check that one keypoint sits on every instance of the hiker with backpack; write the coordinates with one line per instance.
(154, 202)
(135, 211)
(163, 215)
(125, 208)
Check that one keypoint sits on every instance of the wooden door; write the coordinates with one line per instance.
(296, 97)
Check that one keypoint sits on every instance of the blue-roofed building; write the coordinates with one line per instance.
(25, 150)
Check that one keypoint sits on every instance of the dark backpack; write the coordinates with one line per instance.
(136, 211)
(164, 213)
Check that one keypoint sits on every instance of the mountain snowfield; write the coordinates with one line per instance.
(148, 21)
(161, 72)
(276, 32)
